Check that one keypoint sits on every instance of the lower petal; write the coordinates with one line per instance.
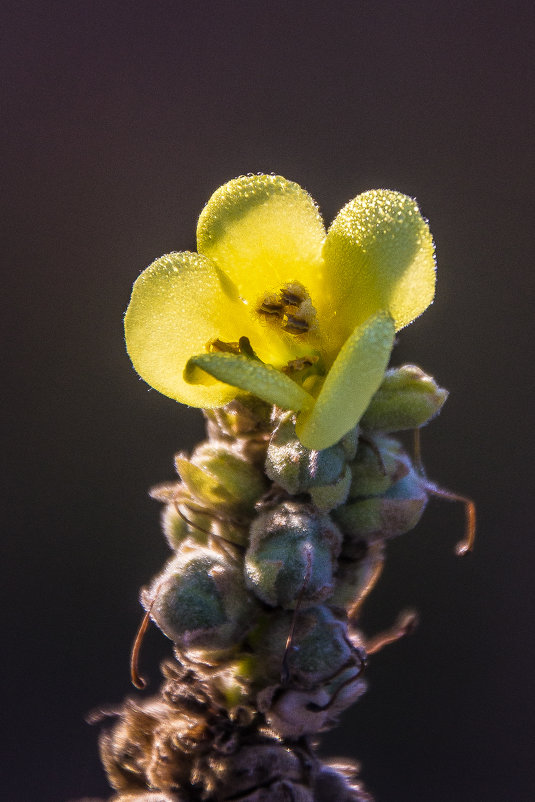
(251, 375)
(354, 377)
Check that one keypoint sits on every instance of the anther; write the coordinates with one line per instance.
(295, 325)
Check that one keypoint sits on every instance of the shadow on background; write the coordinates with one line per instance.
(119, 121)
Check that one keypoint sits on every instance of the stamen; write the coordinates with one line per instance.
(291, 298)
(300, 364)
(291, 309)
(295, 325)
(218, 346)
(275, 309)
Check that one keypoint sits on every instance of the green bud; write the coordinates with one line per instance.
(301, 470)
(200, 601)
(318, 650)
(379, 463)
(292, 555)
(407, 399)
(218, 478)
(327, 497)
(175, 528)
(381, 517)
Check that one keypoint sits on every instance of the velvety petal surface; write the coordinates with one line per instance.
(352, 380)
(180, 303)
(250, 375)
(264, 232)
(379, 254)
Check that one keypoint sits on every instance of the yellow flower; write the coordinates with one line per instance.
(273, 305)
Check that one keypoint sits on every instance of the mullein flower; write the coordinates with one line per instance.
(281, 332)
(275, 306)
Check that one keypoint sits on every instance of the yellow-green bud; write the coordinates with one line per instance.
(220, 479)
(407, 399)
(292, 556)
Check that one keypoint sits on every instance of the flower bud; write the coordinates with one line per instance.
(200, 601)
(323, 672)
(218, 478)
(407, 399)
(292, 555)
(319, 647)
(379, 463)
(382, 517)
(243, 417)
(301, 470)
(327, 497)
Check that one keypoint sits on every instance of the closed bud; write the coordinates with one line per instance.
(219, 478)
(327, 497)
(407, 399)
(382, 517)
(319, 647)
(379, 463)
(323, 672)
(175, 528)
(292, 555)
(301, 470)
(200, 602)
(246, 416)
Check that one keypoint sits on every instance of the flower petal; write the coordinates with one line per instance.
(379, 254)
(180, 303)
(261, 380)
(352, 380)
(264, 232)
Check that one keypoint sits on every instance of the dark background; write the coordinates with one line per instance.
(119, 121)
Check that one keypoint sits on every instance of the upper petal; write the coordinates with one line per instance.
(180, 303)
(263, 231)
(379, 254)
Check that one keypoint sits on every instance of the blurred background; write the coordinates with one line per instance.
(119, 120)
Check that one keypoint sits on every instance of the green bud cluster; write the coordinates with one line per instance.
(275, 546)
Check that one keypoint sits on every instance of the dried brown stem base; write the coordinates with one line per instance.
(182, 746)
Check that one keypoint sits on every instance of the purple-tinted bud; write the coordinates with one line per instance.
(292, 555)
(200, 601)
(382, 517)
